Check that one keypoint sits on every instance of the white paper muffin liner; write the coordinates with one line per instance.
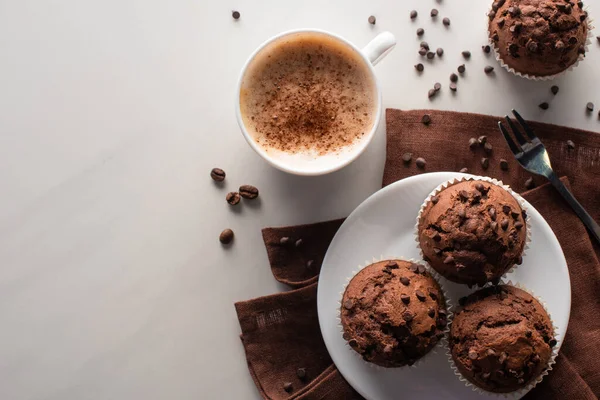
(496, 182)
(437, 277)
(517, 394)
(581, 57)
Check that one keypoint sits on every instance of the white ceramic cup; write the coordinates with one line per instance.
(310, 165)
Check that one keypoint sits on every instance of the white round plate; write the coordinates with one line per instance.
(383, 225)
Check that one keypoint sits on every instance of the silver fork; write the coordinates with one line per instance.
(532, 156)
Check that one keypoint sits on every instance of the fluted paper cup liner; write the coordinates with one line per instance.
(496, 182)
(517, 394)
(545, 77)
(436, 277)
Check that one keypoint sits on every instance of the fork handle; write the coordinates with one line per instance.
(589, 222)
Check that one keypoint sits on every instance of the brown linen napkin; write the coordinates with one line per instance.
(280, 333)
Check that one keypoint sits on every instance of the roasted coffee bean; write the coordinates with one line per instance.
(372, 20)
(431, 93)
(486, 49)
(487, 147)
(248, 192)
(301, 373)
(430, 55)
(288, 387)
(421, 162)
(446, 21)
(434, 12)
(226, 236)
(482, 140)
(453, 77)
(485, 163)
(529, 184)
(233, 198)
(419, 67)
(544, 106)
(503, 164)
(413, 14)
(488, 69)
(466, 54)
(453, 86)
(473, 143)
(299, 243)
(406, 157)
(404, 280)
(426, 119)
(590, 106)
(235, 14)
(425, 45)
(217, 174)
(284, 241)
(554, 90)
(570, 145)
(405, 298)
(461, 69)
(437, 86)
(420, 32)
(439, 51)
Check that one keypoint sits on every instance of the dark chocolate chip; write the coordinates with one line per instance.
(439, 51)
(441, 322)
(404, 280)
(513, 48)
(503, 357)
(434, 12)
(453, 86)
(494, 225)
(503, 164)
(544, 106)
(405, 298)
(589, 106)
(453, 77)
(490, 352)
(449, 260)
(217, 174)
(426, 119)
(233, 198)
(435, 199)
(310, 263)
(413, 267)
(554, 89)
(515, 214)
(437, 251)
(372, 20)
(406, 157)
(420, 32)
(425, 45)
(408, 316)
(348, 304)
(235, 14)
(482, 140)
(488, 69)
(446, 21)
(529, 184)
(485, 375)
(528, 333)
(433, 294)
(559, 45)
(423, 51)
(492, 14)
(504, 224)
(514, 11)
(288, 387)
(431, 312)
(437, 237)
(392, 265)
(473, 143)
(284, 240)
(500, 24)
(437, 86)
(226, 236)
(506, 209)
(485, 163)
(419, 67)
(421, 269)
(464, 194)
(420, 295)
(353, 343)
(486, 49)
(430, 55)
(472, 354)
(570, 144)
(487, 147)
(301, 373)
(466, 54)
(413, 14)
(518, 225)
(461, 69)
(492, 212)
(421, 162)
(431, 93)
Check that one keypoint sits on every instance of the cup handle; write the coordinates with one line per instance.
(379, 47)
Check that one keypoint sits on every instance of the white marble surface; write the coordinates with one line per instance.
(112, 282)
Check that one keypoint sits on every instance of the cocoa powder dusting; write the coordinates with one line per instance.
(308, 92)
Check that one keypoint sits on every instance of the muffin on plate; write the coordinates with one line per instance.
(393, 313)
(538, 38)
(472, 232)
(502, 339)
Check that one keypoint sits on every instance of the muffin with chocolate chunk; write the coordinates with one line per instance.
(472, 232)
(393, 313)
(538, 38)
(502, 339)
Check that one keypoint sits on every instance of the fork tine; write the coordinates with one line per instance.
(526, 127)
(511, 143)
(516, 131)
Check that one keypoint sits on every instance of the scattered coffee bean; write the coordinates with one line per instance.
(406, 157)
(413, 14)
(464, 170)
(288, 387)
(439, 51)
(529, 184)
(430, 55)
(426, 119)
(434, 12)
(419, 67)
(233, 198)
(299, 243)
(544, 106)
(421, 162)
(284, 240)
(437, 86)
(486, 49)
(482, 140)
(425, 45)
(488, 69)
(485, 163)
(420, 295)
(235, 14)
(217, 174)
(461, 69)
(248, 192)
(453, 77)
(420, 32)
(487, 147)
(226, 236)
(431, 93)
(466, 54)
(423, 51)
(453, 86)
(405, 298)
(372, 20)
(446, 21)
(404, 280)
(570, 144)
(590, 106)
(503, 164)
(554, 90)
(301, 373)
(310, 263)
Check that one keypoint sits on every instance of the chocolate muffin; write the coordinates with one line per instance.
(501, 339)
(472, 232)
(393, 313)
(538, 37)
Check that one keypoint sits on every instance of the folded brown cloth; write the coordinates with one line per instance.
(281, 333)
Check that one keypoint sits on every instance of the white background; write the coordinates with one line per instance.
(112, 282)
